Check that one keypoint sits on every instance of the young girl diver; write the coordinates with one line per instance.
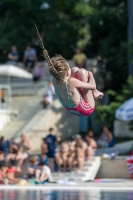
(75, 88)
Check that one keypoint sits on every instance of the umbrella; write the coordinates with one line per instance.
(11, 70)
(125, 111)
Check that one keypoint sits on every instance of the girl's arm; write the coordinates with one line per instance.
(79, 84)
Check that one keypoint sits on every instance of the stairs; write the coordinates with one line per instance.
(89, 172)
(64, 123)
(27, 107)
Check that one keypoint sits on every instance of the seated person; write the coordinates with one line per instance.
(13, 150)
(39, 72)
(71, 155)
(61, 157)
(2, 173)
(2, 98)
(10, 173)
(24, 147)
(32, 166)
(91, 145)
(79, 155)
(43, 174)
(2, 165)
(4, 145)
(105, 138)
(44, 159)
(49, 96)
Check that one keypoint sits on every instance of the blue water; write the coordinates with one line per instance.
(64, 195)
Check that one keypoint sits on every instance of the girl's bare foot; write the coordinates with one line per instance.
(97, 94)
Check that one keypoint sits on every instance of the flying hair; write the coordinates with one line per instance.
(53, 71)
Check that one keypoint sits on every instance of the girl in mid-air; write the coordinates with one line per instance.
(75, 88)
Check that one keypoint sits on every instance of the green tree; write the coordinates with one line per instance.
(107, 113)
(59, 23)
(108, 29)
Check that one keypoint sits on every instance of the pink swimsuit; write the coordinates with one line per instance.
(82, 109)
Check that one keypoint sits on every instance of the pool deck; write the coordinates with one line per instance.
(113, 184)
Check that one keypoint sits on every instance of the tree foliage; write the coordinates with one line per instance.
(107, 113)
(98, 26)
(108, 28)
(60, 24)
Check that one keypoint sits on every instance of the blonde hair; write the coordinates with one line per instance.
(33, 159)
(58, 66)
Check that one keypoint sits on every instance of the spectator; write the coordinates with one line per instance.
(32, 166)
(13, 151)
(79, 155)
(51, 141)
(23, 152)
(2, 176)
(43, 174)
(38, 73)
(91, 146)
(2, 98)
(90, 140)
(4, 145)
(71, 155)
(49, 96)
(79, 59)
(10, 173)
(43, 159)
(105, 138)
(2, 161)
(13, 56)
(62, 157)
(30, 58)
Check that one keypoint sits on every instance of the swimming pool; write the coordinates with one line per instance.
(48, 194)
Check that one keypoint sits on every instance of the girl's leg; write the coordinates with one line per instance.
(88, 95)
(74, 72)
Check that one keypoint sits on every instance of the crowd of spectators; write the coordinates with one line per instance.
(29, 61)
(55, 156)
(49, 96)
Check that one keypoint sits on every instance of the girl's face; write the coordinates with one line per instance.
(68, 73)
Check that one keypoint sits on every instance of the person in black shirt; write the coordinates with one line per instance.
(51, 141)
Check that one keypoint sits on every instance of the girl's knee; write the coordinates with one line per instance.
(74, 69)
(82, 72)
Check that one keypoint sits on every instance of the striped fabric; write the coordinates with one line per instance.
(129, 160)
(83, 109)
(85, 106)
